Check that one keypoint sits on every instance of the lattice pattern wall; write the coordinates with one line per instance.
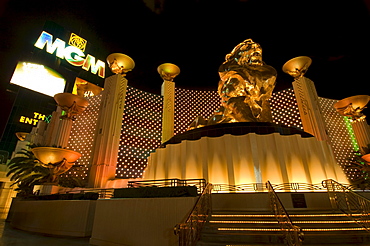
(141, 132)
(141, 127)
(341, 136)
(142, 123)
(284, 108)
(190, 104)
(82, 137)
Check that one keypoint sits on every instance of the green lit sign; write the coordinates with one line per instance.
(71, 54)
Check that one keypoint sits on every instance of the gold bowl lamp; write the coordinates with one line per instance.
(120, 63)
(21, 135)
(168, 71)
(72, 104)
(297, 66)
(352, 106)
(58, 160)
(54, 155)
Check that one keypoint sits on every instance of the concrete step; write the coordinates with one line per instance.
(269, 244)
(270, 238)
(241, 238)
(336, 239)
(241, 228)
(256, 228)
(236, 244)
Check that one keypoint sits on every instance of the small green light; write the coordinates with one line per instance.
(351, 133)
(48, 119)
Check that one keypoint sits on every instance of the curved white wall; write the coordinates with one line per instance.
(250, 158)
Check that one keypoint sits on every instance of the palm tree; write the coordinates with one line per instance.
(26, 171)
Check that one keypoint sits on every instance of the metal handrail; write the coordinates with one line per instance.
(199, 183)
(297, 186)
(349, 202)
(261, 187)
(293, 235)
(103, 193)
(189, 231)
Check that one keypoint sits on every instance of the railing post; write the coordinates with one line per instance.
(295, 186)
(189, 231)
(258, 187)
(346, 198)
(293, 234)
(354, 203)
(329, 185)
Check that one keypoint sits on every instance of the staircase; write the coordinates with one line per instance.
(240, 228)
(330, 228)
(248, 228)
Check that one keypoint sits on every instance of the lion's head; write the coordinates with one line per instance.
(247, 53)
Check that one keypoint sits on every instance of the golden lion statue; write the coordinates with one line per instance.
(245, 86)
(246, 83)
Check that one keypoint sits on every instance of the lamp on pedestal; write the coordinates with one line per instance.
(120, 63)
(21, 135)
(107, 141)
(307, 98)
(71, 106)
(352, 107)
(297, 66)
(58, 159)
(168, 72)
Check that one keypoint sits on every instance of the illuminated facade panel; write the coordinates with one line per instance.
(141, 132)
(82, 137)
(284, 108)
(190, 104)
(341, 136)
(141, 124)
(141, 127)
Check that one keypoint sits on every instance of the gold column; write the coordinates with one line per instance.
(63, 133)
(309, 108)
(168, 117)
(109, 125)
(168, 72)
(307, 98)
(106, 143)
(59, 129)
(51, 130)
(362, 133)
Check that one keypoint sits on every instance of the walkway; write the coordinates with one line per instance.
(13, 237)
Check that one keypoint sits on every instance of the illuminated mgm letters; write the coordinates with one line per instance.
(71, 54)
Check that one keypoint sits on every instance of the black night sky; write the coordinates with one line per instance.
(197, 34)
